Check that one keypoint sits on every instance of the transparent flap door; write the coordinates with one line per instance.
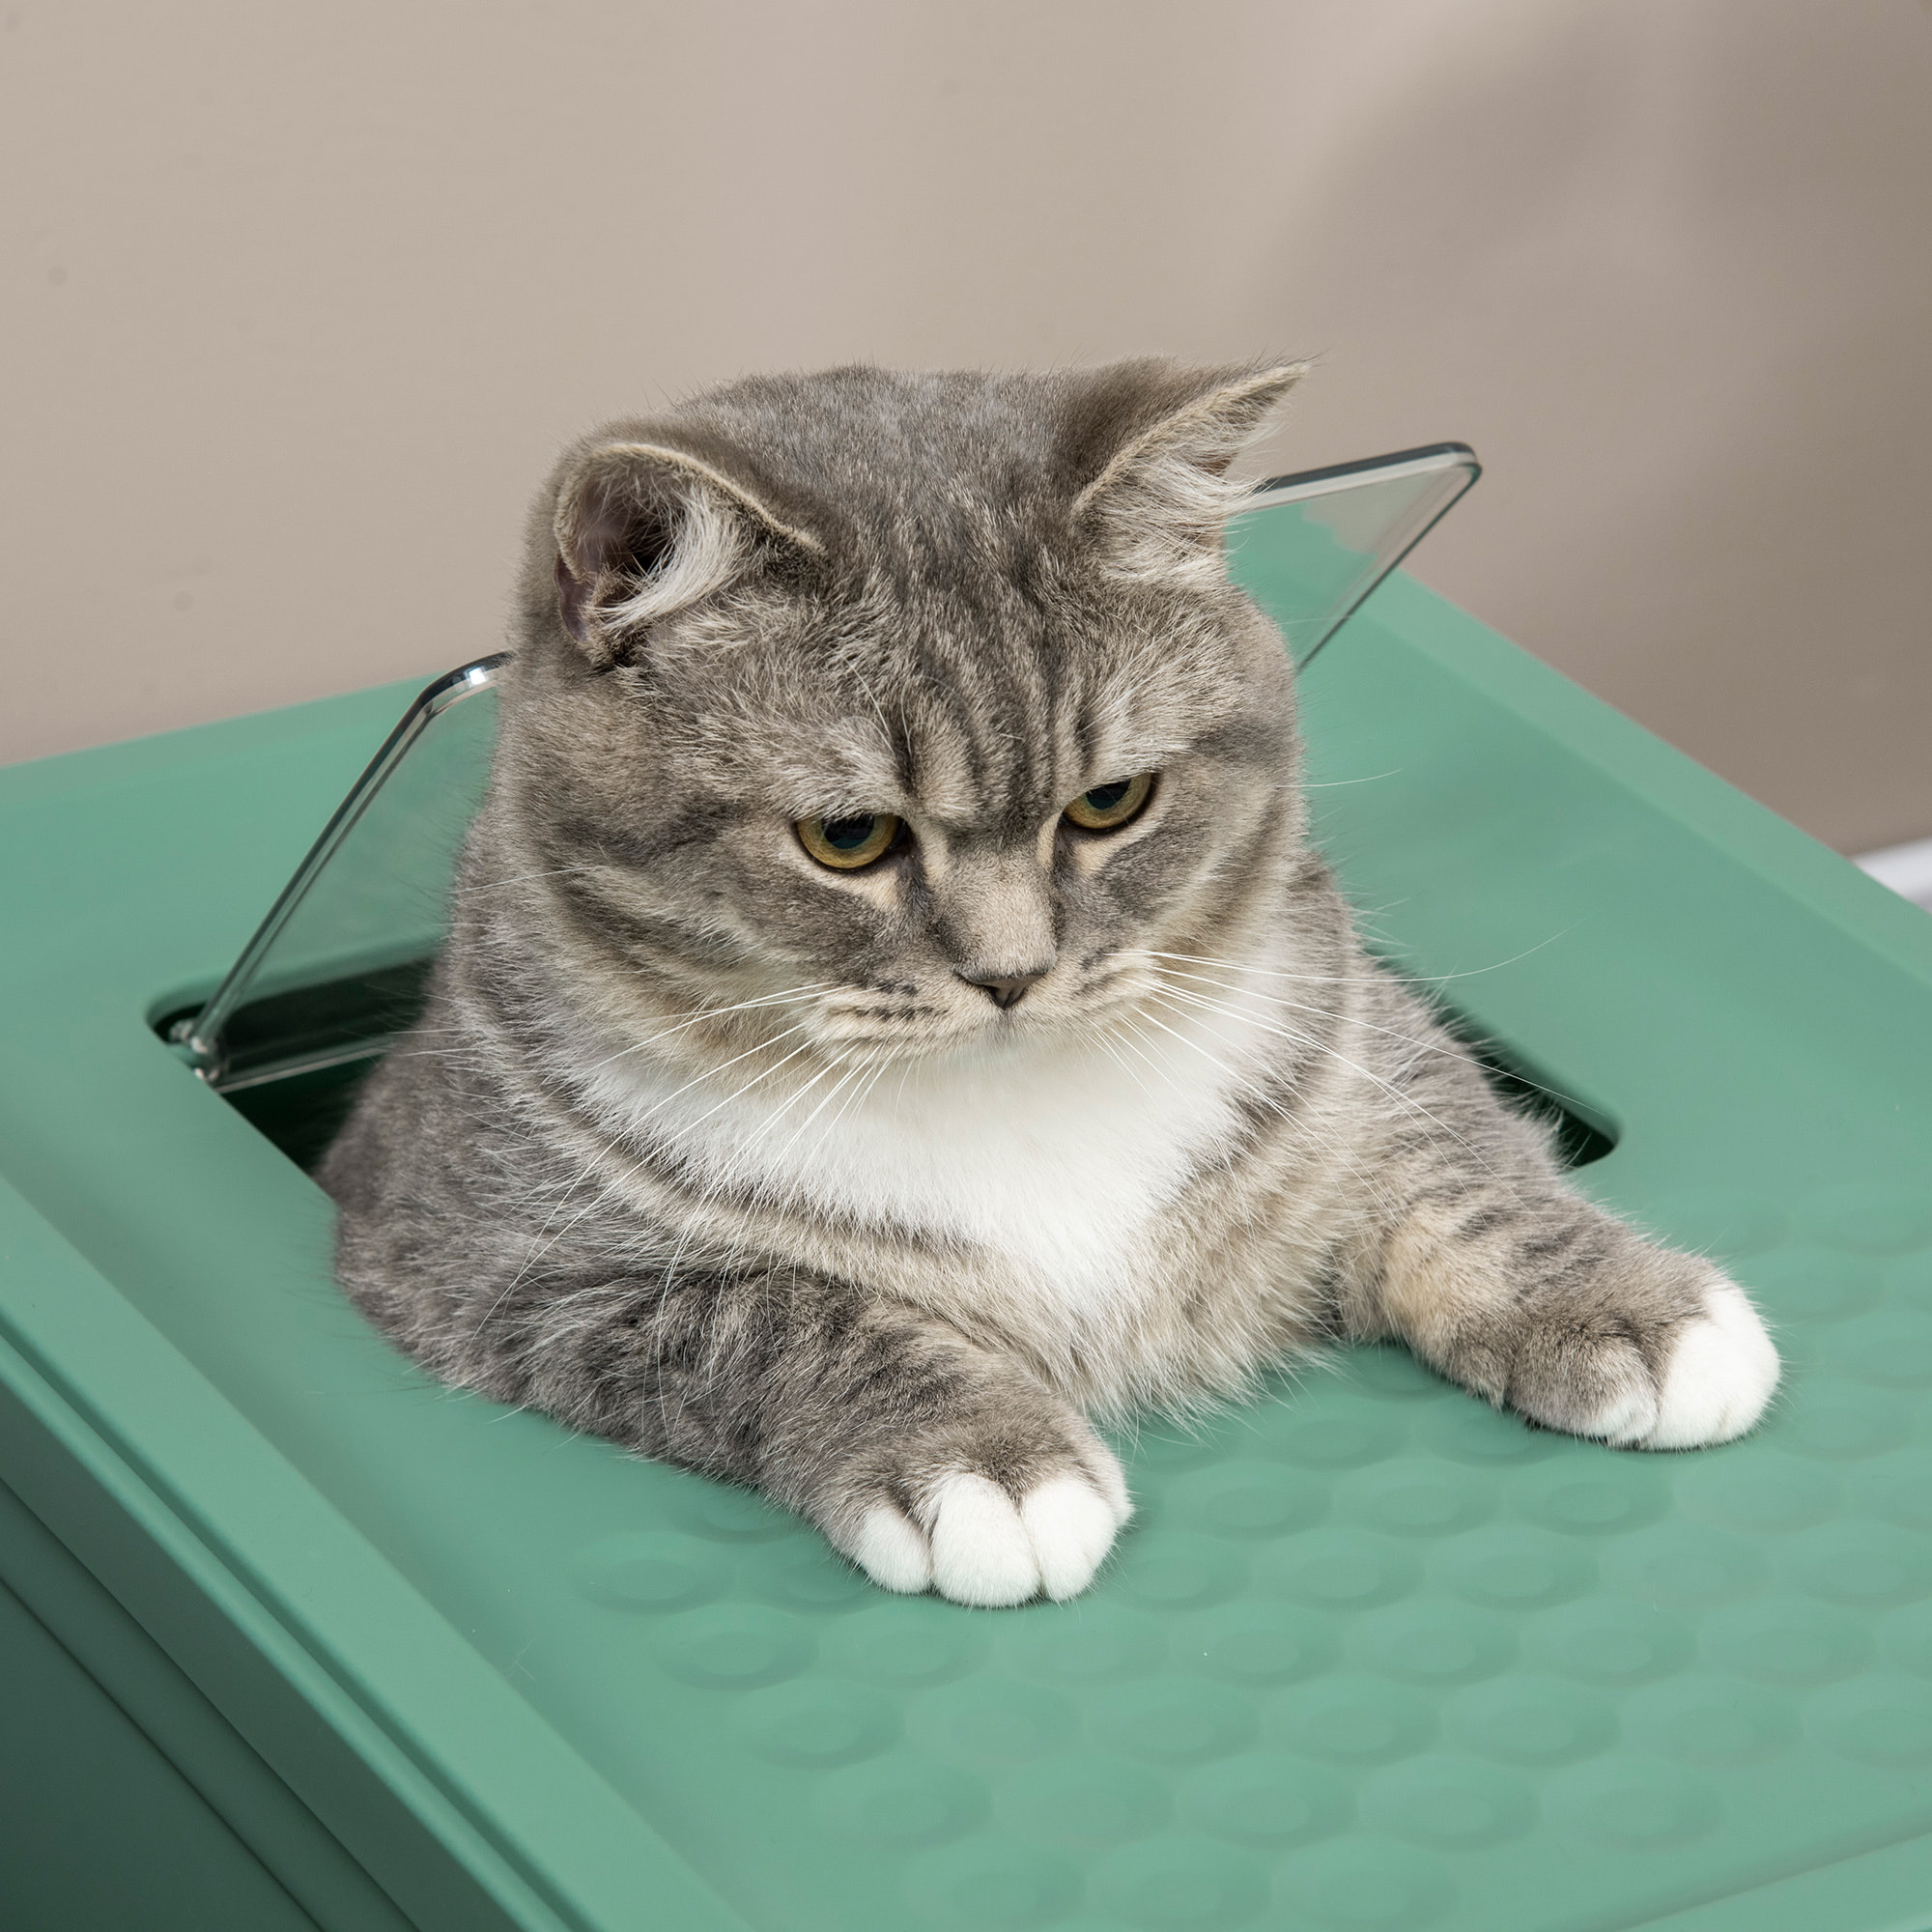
(1317, 543)
(338, 965)
(337, 968)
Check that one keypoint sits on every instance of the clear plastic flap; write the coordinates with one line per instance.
(337, 968)
(1313, 546)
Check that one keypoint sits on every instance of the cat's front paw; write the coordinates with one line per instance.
(1716, 1382)
(972, 1540)
(1720, 1377)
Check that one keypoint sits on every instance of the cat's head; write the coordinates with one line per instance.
(927, 694)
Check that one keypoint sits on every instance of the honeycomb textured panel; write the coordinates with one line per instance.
(1367, 1644)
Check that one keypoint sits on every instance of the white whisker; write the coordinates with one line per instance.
(1308, 1040)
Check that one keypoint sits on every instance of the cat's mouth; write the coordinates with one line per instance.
(914, 1023)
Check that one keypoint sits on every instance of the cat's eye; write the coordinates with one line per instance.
(846, 844)
(1109, 806)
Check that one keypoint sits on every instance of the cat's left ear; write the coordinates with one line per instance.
(644, 531)
(1157, 505)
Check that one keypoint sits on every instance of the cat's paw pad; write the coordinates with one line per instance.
(980, 1548)
(1720, 1377)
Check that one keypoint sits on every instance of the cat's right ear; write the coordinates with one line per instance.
(644, 531)
(1156, 439)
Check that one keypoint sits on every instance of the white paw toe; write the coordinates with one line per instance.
(1720, 1375)
(893, 1552)
(980, 1550)
(1070, 1526)
(1626, 1419)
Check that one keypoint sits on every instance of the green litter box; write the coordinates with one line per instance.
(291, 1638)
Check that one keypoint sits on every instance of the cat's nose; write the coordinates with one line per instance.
(1004, 989)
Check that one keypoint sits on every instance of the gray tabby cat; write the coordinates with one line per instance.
(894, 1013)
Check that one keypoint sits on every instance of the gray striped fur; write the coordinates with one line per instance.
(720, 1154)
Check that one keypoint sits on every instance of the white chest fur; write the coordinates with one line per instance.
(1055, 1155)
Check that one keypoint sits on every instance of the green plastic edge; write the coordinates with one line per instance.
(173, 1862)
(1826, 883)
(368, 1698)
(359, 717)
(1881, 1891)
(137, 1677)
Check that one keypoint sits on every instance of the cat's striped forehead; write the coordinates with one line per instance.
(972, 597)
(994, 733)
(1017, 736)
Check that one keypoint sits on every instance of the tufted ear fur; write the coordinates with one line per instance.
(1158, 502)
(642, 532)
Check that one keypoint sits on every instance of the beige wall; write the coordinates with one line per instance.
(300, 300)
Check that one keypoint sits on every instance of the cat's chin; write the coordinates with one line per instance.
(975, 1043)
(1006, 1043)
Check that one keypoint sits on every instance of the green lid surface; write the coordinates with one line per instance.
(1371, 1656)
